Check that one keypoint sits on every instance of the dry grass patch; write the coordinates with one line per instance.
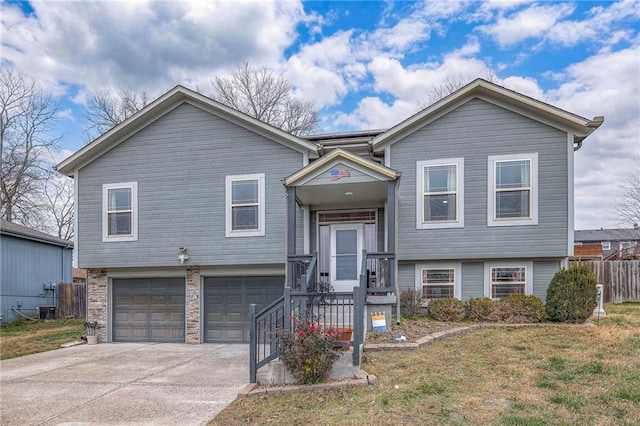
(20, 338)
(503, 376)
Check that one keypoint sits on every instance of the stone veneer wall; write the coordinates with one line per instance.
(193, 305)
(97, 301)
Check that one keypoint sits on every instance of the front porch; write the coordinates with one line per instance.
(343, 252)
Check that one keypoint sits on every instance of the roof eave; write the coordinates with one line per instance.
(161, 106)
(581, 127)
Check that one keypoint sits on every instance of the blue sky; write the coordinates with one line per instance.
(365, 64)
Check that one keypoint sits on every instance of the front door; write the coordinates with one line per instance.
(347, 243)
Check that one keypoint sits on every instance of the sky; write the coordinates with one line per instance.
(365, 64)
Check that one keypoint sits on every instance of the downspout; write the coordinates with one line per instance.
(372, 155)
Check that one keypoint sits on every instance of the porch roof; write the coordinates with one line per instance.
(342, 179)
(376, 172)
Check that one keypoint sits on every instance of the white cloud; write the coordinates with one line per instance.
(530, 22)
(525, 85)
(605, 84)
(598, 27)
(144, 44)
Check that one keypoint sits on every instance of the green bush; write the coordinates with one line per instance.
(572, 295)
(481, 309)
(446, 309)
(518, 308)
(307, 351)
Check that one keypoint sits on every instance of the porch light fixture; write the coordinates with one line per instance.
(182, 254)
(348, 193)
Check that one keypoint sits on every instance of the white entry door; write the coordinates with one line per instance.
(347, 243)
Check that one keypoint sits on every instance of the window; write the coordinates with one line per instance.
(245, 211)
(606, 245)
(120, 212)
(627, 247)
(504, 279)
(440, 193)
(513, 192)
(438, 280)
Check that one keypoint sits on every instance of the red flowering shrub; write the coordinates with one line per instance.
(307, 351)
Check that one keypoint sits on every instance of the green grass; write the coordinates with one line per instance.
(503, 376)
(20, 338)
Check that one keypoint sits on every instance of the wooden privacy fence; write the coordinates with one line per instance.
(621, 279)
(72, 300)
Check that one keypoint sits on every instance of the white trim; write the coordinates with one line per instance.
(75, 257)
(345, 285)
(260, 231)
(570, 195)
(491, 199)
(456, 266)
(607, 247)
(387, 156)
(305, 159)
(147, 273)
(528, 265)
(306, 225)
(133, 186)
(420, 166)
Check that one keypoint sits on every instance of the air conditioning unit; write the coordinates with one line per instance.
(47, 312)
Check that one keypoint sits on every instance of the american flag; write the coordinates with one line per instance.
(337, 174)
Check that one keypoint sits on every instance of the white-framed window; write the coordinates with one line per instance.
(438, 280)
(245, 205)
(440, 193)
(606, 245)
(512, 190)
(120, 211)
(627, 247)
(505, 278)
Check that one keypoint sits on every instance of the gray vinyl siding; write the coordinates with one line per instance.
(543, 272)
(472, 276)
(475, 131)
(406, 276)
(180, 163)
(472, 280)
(26, 266)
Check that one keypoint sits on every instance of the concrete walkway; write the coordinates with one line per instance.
(122, 383)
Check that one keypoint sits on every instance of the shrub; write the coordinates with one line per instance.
(572, 294)
(518, 308)
(412, 300)
(446, 309)
(307, 351)
(481, 309)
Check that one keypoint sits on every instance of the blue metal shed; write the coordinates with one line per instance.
(32, 264)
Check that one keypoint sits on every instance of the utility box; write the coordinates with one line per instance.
(47, 312)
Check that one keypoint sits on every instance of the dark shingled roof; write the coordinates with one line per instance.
(19, 231)
(607, 235)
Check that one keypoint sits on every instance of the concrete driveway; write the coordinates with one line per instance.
(122, 383)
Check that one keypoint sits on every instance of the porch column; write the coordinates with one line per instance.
(391, 240)
(291, 232)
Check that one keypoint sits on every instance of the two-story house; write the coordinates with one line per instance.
(615, 243)
(189, 210)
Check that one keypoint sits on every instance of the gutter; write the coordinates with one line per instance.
(592, 126)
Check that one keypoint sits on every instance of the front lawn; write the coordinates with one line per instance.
(503, 376)
(20, 338)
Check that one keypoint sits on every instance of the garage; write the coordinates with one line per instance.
(226, 305)
(149, 310)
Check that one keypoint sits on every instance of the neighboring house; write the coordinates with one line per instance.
(189, 210)
(32, 265)
(615, 243)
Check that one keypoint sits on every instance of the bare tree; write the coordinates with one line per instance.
(267, 97)
(58, 193)
(450, 85)
(27, 116)
(627, 207)
(105, 110)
